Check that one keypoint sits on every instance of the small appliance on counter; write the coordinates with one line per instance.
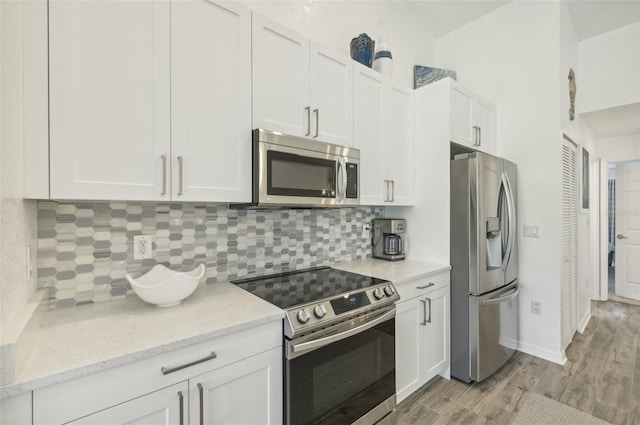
(387, 238)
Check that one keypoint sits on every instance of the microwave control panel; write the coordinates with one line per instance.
(352, 181)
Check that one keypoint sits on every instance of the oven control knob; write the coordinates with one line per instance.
(303, 316)
(319, 311)
(389, 291)
(378, 293)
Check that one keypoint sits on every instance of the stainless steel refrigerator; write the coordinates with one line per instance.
(484, 260)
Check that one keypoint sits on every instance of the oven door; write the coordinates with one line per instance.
(343, 373)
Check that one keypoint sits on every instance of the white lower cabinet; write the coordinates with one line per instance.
(422, 333)
(16, 410)
(162, 407)
(234, 379)
(246, 392)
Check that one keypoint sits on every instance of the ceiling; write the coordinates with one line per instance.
(613, 122)
(590, 17)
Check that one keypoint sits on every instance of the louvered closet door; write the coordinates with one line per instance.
(569, 226)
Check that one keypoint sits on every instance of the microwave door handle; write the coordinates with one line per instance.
(341, 177)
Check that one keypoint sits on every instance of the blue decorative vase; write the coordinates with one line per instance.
(362, 49)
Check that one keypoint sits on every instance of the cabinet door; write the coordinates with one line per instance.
(331, 94)
(436, 344)
(245, 392)
(280, 75)
(210, 101)
(167, 406)
(399, 156)
(409, 315)
(370, 131)
(461, 124)
(109, 88)
(17, 410)
(484, 117)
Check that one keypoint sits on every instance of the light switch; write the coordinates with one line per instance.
(531, 231)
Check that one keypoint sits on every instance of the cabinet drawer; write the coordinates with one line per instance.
(79, 397)
(422, 285)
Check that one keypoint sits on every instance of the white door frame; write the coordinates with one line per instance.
(602, 292)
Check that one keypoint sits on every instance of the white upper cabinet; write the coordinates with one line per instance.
(383, 131)
(472, 120)
(210, 101)
(370, 130)
(109, 99)
(331, 96)
(484, 118)
(299, 87)
(399, 148)
(150, 100)
(280, 78)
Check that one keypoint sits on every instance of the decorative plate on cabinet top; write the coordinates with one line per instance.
(164, 287)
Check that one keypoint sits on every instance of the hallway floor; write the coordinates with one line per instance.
(601, 377)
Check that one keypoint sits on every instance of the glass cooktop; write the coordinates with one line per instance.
(304, 286)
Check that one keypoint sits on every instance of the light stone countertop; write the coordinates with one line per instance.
(398, 272)
(78, 341)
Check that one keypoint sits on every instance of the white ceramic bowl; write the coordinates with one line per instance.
(164, 287)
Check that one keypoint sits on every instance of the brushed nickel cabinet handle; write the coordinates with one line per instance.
(164, 175)
(393, 190)
(424, 306)
(201, 391)
(429, 319)
(317, 112)
(168, 370)
(180, 172)
(479, 136)
(181, 397)
(475, 135)
(308, 109)
(428, 285)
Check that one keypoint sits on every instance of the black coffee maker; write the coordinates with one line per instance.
(387, 238)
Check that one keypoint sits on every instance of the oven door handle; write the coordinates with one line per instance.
(321, 342)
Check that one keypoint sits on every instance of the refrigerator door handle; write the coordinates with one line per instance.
(499, 300)
(512, 221)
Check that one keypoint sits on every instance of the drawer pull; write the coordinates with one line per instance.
(428, 285)
(168, 370)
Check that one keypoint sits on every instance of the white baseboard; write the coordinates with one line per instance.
(584, 322)
(544, 353)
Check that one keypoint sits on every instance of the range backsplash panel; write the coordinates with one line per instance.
(85, 250)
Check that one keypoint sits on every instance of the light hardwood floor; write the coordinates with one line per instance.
(601, 377)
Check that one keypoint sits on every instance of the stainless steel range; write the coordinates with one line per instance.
(339, 343)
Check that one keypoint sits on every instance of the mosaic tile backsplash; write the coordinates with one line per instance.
(85, 250)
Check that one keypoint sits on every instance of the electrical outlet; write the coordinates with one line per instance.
(536, 307)
(365, 230)
(142, 247)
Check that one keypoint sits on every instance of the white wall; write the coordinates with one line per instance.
(334, 23)
(517, 67)
(579, 132)
(17, 217)
(610, 69)
(624, 148)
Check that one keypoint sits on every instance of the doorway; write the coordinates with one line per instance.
(623, 203)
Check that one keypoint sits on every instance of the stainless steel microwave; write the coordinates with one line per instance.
(298, 172)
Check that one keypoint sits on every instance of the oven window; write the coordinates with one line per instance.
(342, 381)
(296, 175)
